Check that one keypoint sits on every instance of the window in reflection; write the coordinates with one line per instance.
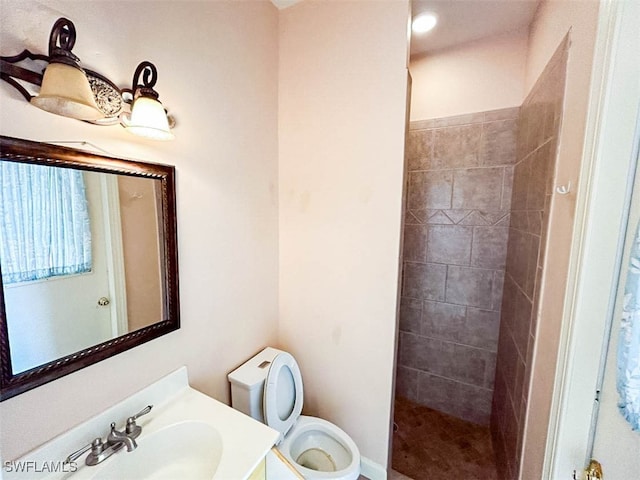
(44, 223)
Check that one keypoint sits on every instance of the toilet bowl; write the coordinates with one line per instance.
(269, 388)
(319, 449)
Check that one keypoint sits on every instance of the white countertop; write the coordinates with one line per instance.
(245, 441)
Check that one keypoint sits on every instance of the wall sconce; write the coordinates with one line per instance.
(70, 90)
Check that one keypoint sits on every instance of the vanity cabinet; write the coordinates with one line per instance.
(278, 468)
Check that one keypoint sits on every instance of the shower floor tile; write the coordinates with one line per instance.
(431, 445)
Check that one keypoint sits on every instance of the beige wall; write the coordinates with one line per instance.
(217, 65)
(553, 20)
(484, 75)
(342, 113)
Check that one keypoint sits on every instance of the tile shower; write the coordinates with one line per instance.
(460, 173)
(538, 132)
(478, 200)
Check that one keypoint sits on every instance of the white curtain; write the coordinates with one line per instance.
(44, 222)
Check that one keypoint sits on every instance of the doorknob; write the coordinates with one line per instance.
(594, 471)
(103, 301)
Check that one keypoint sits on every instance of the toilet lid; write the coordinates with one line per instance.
(283, 395)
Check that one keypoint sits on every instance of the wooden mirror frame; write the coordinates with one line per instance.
(38, 153)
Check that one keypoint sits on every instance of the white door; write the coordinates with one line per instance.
(585, 422)
(51, 318)
(616, 447)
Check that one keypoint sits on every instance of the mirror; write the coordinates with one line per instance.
(88, 258)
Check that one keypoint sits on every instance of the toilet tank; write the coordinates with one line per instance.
(247, 383)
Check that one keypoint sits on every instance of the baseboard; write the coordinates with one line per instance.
(372, 470)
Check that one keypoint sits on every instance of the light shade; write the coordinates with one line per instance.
(148, 119)
(65, 91)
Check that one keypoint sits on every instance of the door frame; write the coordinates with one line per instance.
(601, 212)
(115, 254)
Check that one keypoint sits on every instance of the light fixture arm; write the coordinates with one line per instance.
(61, 41)
(9, 71)
(149, 74)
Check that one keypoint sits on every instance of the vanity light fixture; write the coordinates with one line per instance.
(68, 89)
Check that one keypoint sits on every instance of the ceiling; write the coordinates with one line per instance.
(461, 21)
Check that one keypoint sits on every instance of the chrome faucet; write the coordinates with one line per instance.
(116, 439)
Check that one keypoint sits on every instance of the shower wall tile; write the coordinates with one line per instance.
(460, 178)
(474, 365)
(502, 114)
(439, 218)
(457, 147)
(407, 383)
(415, 243)
(443, 320)
(489, 247)
(448, 359)
(419, 149)
(538, 182)
(534, 222)
(430, 190)
(410, 217)
(459, 399)
(456, 216)
(410, 315)
(521, 322)
(464, 325)
(482, 327)
(416, 352)
(478, 188)
(422, 124)
(423, 215)
(498, 145)
(469, 286)
(450, 244)
(469, 118)
(424, 281)
(508, 308)
(507, 189)
(537, 138)
(497, 292)
(521, 176)
(518, 254)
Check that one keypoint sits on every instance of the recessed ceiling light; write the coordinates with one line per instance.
(424, 22)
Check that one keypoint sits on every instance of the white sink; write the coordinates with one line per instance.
(186, 435)
(185, 450)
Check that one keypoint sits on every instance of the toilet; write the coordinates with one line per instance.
(268, 387)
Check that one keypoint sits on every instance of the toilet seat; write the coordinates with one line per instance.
(283, 394)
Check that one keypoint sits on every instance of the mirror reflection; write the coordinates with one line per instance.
(81, 255)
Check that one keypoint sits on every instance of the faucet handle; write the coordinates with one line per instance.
(132, 429)
(96, 447)
(142, 412)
